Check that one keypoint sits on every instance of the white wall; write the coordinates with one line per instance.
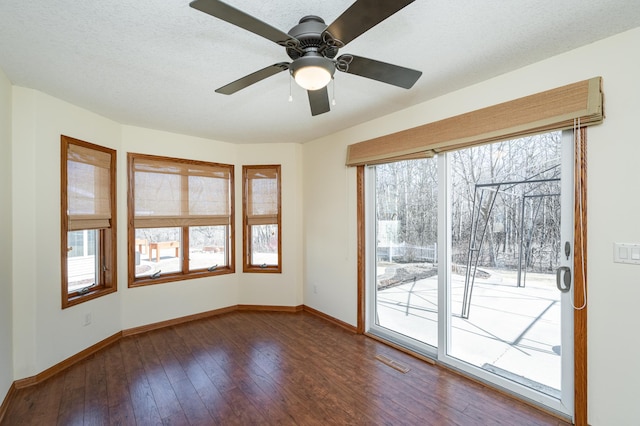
(613, 206)
(283, 289)
(6, 256)
(155, 303)
(330, 258)
(182, 298)
(43, 333)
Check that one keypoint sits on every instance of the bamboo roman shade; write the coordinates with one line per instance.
(177, 193)
(88, 188)
(554, 109)
(262, 195)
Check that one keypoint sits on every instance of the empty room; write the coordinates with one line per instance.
(338, 212)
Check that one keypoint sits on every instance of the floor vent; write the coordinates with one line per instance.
(392, 363)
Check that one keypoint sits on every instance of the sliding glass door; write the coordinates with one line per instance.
(468, 249)
(404, 282)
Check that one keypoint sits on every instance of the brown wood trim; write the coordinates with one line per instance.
(401, 349)
(107, 281)
(298, 308)
(174, 277)
(331, 319)
(176, 321)
(64, 222)
(361, 249)
(7, 401)
(61, 366)
(580, 282)
(185, 273)
(246, 246)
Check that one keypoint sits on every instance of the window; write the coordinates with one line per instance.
(88, 192)
(262, 248)
(182, 216)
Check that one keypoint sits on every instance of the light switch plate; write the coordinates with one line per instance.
(626, 253)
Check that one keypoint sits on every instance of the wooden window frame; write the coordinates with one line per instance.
(185, 273)
(247, 266)
(106, 246)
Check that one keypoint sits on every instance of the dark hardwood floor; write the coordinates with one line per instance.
(260, 368)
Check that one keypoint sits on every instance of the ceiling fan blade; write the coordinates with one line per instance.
(361, 16)
(319, 101)
(237, 17)
(252, 78)
(381, 71)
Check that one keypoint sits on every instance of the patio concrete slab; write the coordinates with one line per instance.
(512, 331)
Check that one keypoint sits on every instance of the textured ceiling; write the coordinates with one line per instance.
(156, 63)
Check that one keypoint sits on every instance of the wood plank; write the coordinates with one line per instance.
(313, 384)
(96, 401)
(36, 405)
(215, 394)
(118, 394)
(289, 400)
(367, 379)
(144, 404)
(194, 409)
(71, 411)
(166, 400)
(244, 389)
(261, 367)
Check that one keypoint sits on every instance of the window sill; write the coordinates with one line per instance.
(76, 299)
(168, 278)
(260, 270)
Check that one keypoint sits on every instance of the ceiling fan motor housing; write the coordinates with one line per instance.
(309, 32)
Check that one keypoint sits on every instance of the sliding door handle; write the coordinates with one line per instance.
(563, 279)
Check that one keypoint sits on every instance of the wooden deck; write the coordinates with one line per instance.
(261, 368)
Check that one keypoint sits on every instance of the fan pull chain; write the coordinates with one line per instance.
(290, 96)
(333, 91)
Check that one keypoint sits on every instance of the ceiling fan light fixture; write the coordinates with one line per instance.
(312, 71)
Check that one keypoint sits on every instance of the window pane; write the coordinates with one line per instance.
(82, 264)
(157, 251)
(505, 242)
(208, 247)
(406, 252)
(264, 245)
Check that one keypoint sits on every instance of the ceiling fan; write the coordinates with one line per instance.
(313, 46)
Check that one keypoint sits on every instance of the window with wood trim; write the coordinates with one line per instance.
(262, 244)
(181, 222)
(88, 221)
